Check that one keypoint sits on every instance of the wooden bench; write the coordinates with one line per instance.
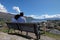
(27, 27)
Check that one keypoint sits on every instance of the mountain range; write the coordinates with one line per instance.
(40, 20)
(8, 16)
(5, 16)
(52, 18)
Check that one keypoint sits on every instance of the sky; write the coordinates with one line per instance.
(35, 8)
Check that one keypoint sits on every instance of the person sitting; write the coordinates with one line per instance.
(14, 19)
(21, 19)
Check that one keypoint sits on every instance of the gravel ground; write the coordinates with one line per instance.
(5, 36)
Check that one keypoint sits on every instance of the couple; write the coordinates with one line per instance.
(19, 18)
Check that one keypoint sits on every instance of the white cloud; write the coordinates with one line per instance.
(17, 9)
(35, 16)
(45, 16)
(2, 8)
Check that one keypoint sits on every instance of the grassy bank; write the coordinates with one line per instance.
(56, 36)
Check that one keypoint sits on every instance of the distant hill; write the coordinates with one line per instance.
(8, 16)
(5, 16)
(41, 20)
(52, 19)
(29, 19)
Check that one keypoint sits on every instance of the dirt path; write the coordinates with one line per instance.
(5, 36)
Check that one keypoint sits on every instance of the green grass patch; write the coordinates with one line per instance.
(56, 36)
(6, 30)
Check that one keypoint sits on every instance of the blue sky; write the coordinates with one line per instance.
(32, 7)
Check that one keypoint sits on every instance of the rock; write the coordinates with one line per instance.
(5, 36)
